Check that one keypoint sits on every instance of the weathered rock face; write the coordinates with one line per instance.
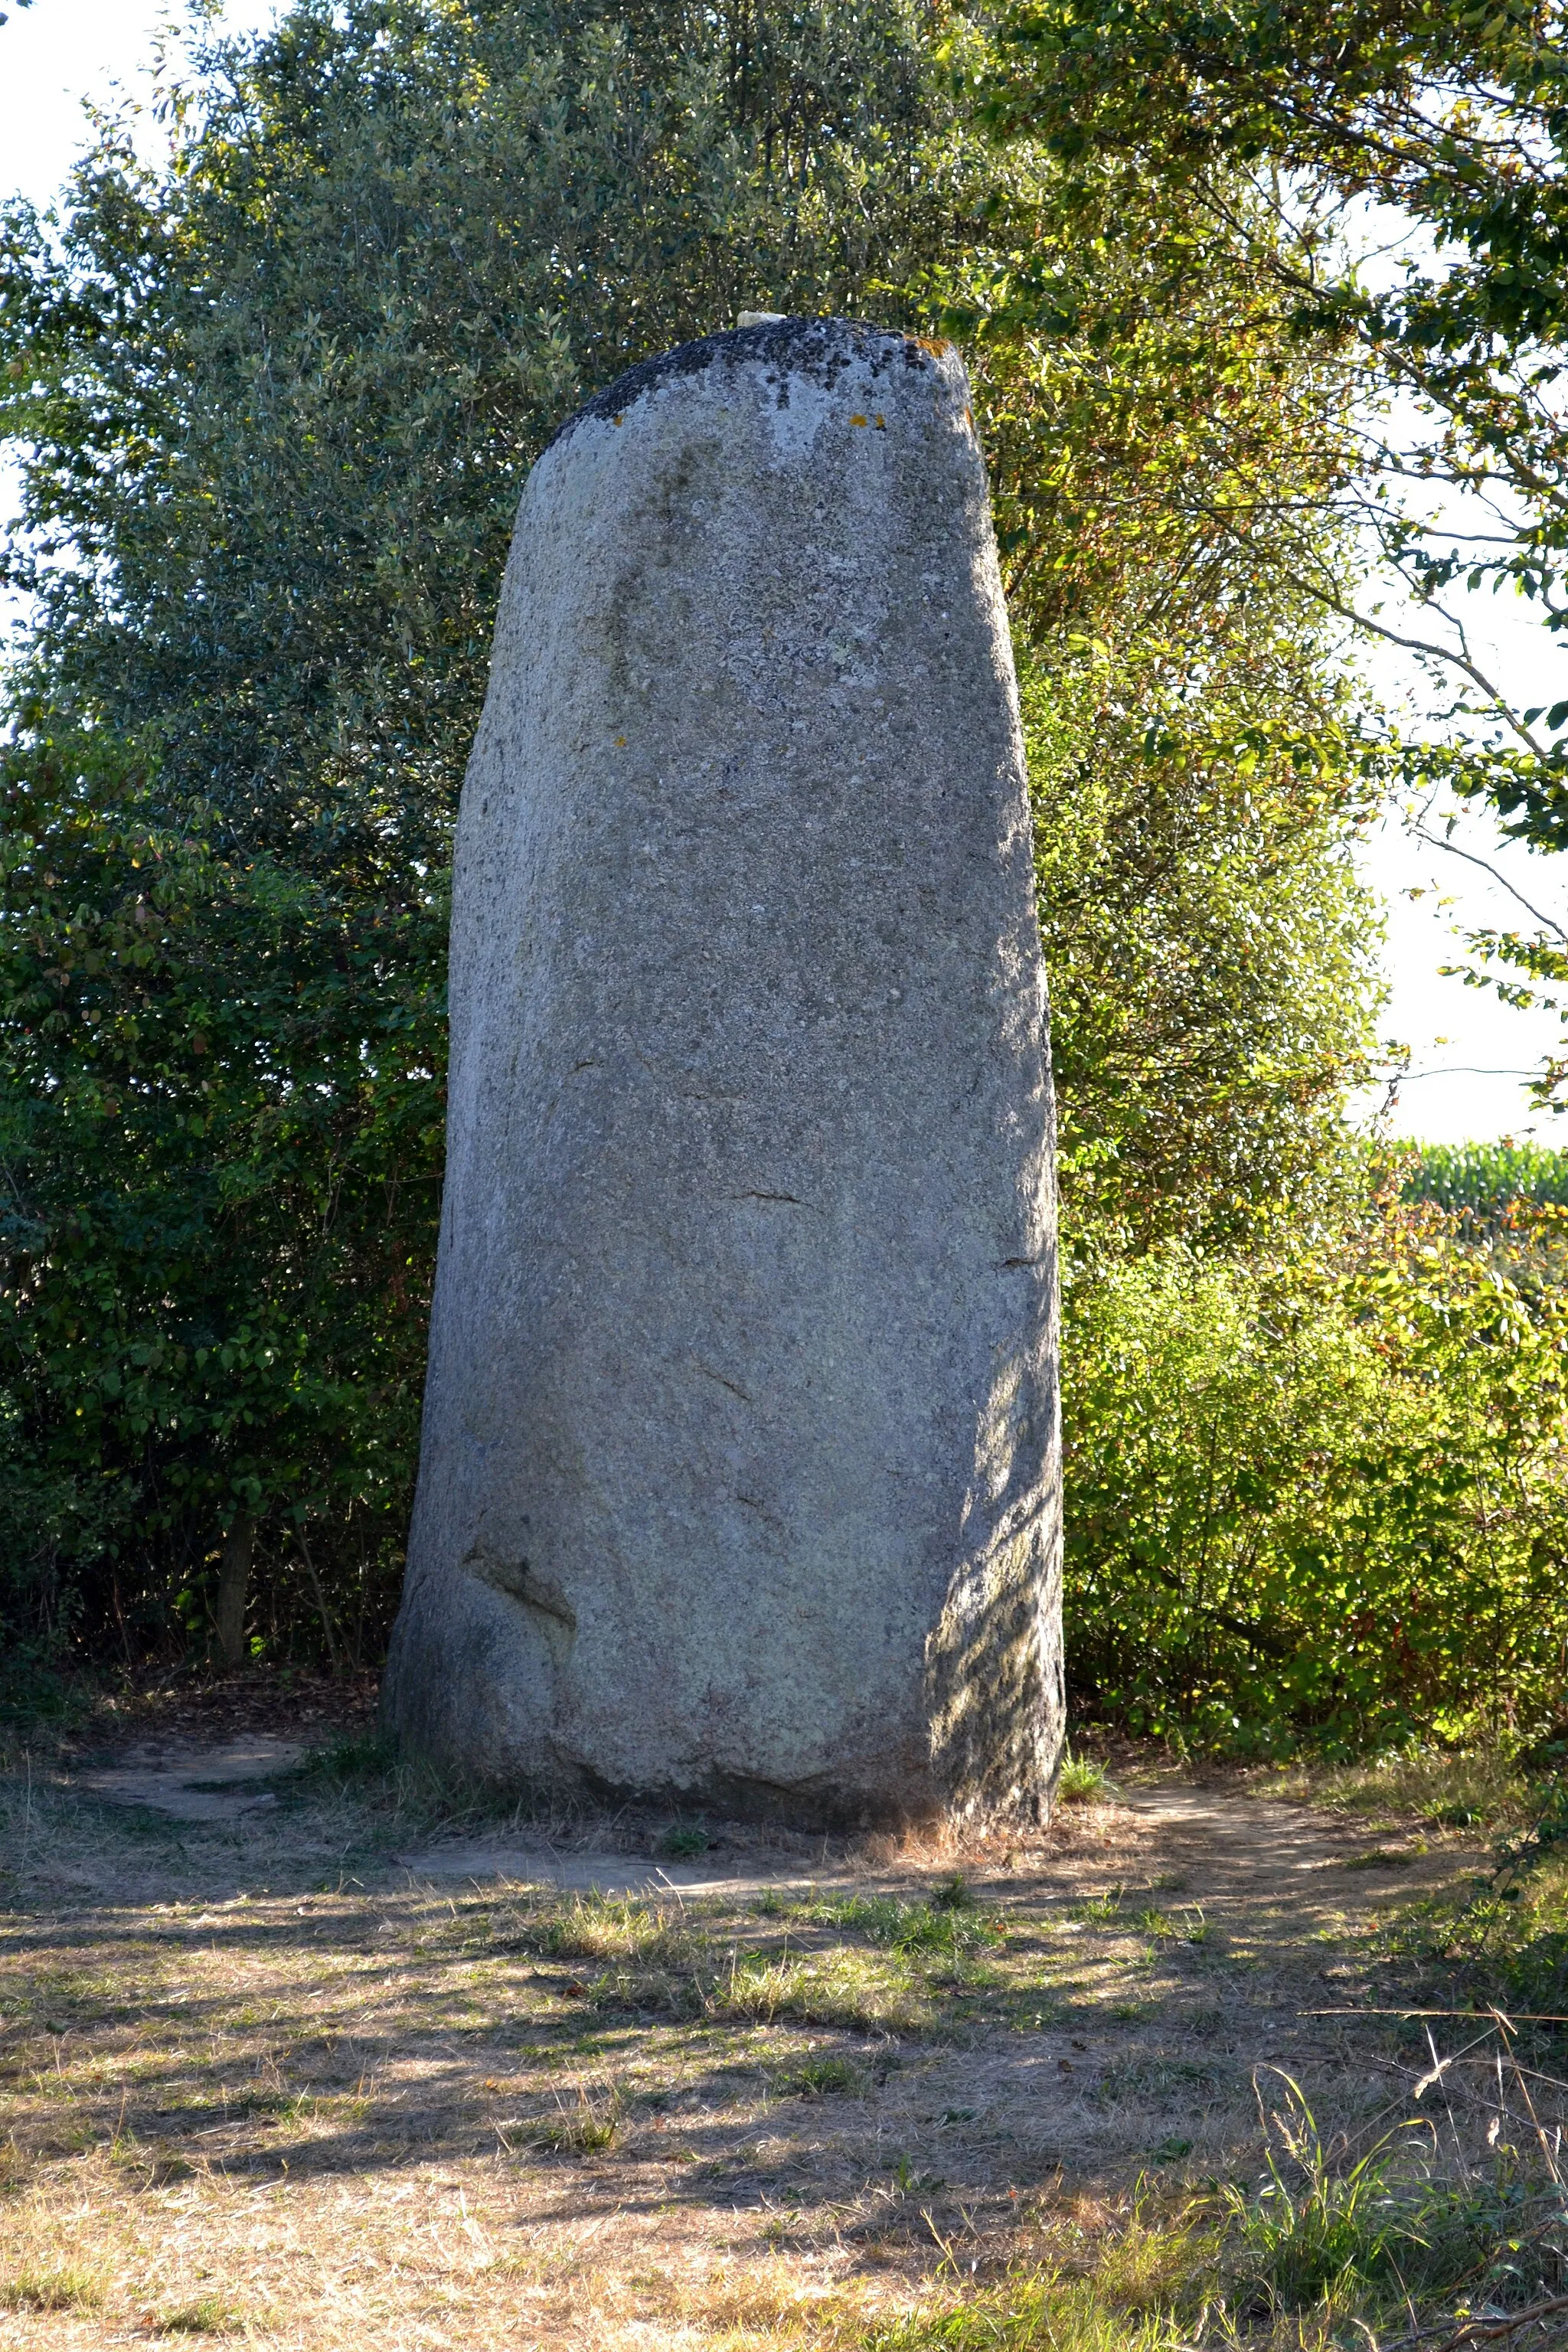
(740, 1479)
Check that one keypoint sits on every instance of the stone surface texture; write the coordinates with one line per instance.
(740, 1480)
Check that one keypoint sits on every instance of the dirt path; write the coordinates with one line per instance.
(253, 2033)
(219, 1782)
(1289, 1873)
(1286, 1871)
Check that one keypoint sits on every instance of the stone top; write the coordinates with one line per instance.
(817, 349)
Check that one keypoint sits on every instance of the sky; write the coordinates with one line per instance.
(1468, 1050)
(55, 54)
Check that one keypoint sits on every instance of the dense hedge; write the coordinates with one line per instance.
(1321, 1493)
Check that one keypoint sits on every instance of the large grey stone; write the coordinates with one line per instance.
(740, 1480)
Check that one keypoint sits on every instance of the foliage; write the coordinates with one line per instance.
(1374, 2238)
(1314, 2229)
(1210, 952)
(1453, 117)
(1379, 2231)
(276, 397)
(1419, 157)
(1509, 1200)
(1152, 425)
(1320, 1493)
(1501, 1943)
(221, 1186)
(1543, 1839)
(284, 393)
(1155, 436)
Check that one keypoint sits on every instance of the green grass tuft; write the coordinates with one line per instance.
(1082, 1781)
(684, 1842)
(585, 2125)
(1028, 2313)
(209, 2316)
(61, 2290)
(820, 2077)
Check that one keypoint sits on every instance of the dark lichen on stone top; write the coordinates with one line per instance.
(818, 349)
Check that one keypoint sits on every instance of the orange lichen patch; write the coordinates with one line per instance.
(936, 344)
(859, 420)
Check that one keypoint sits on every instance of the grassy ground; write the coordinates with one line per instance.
(1127, 2086)
(1483, 1790)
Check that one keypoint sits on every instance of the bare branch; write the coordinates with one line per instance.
(1470, 858)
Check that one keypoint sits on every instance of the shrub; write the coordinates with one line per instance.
(1323, 1495)
(1081, 1781)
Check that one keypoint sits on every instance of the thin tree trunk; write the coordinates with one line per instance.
(321, 1602)
(233, 1588)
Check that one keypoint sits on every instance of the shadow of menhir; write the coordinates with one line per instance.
(740, 1483)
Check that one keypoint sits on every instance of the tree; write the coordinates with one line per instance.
(1452, 118)
(275, 400)
(1211, 951)
(1162, 449)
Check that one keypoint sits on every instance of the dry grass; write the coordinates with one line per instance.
(1437, 1788)
(260, 2086)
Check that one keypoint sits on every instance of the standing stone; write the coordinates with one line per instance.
(740, 1483)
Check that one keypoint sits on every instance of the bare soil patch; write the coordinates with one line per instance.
(313, 2073)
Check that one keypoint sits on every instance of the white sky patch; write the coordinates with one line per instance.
(61, 55)
(1471, 1054)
